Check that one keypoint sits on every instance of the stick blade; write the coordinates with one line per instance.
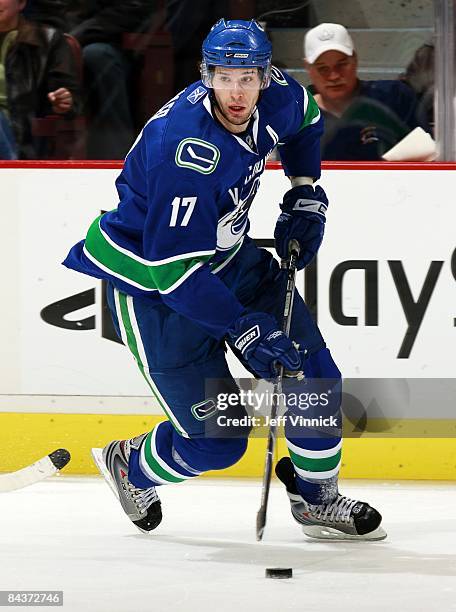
(260, 523)
(60, 458)
(31, 474)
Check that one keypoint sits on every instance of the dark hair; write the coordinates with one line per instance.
(419, 74)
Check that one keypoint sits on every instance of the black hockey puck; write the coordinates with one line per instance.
(60, 458)
(279, 572)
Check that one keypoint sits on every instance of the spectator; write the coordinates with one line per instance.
(188, 28)
(98, 26)
(8, 147)
(363, 119)
(419, 74)
(49, 12)
(37, 77)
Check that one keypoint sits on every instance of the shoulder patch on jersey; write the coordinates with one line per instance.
(278, 77)
(197, 95)
(197, 155)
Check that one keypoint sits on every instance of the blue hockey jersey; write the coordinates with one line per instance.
(184, 196)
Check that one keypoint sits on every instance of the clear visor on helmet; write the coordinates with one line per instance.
(223, 77)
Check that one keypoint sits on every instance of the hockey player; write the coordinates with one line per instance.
(184, 278)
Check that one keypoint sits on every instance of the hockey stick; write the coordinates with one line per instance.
(290, 267)
(41, 469)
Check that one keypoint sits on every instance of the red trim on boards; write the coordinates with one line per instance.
(272, 165)
(62, 164)
(334, 165)
(378, 165)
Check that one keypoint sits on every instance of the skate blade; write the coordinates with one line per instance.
(319, 532)
(97, 454)
(148, 533)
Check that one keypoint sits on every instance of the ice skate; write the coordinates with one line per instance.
(342, 519)
(142, 506)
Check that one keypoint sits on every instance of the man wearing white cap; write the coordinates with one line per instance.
(363, 119)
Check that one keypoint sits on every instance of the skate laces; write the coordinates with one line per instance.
(143, 498)
(336, 512)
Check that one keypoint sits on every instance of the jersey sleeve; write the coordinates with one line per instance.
(300, 151)
(180, 237)
(171, 212)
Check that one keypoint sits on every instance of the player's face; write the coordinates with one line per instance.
(334, 75)
(9, 13)
(236, 91)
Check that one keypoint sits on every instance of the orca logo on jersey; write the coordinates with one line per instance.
(197, 155)
(232, 226)
(278, 77)
(204, 410)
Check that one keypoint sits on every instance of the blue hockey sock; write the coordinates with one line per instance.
(157, 462)
(135, 474)
(316, 463)
(317, 493)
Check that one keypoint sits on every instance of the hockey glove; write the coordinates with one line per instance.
(303, 218)
(257, 337)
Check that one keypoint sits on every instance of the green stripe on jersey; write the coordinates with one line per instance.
(316, 465)
(131, 340)
(125, 320)
(154, 465)
(312, 112)
(147, 275)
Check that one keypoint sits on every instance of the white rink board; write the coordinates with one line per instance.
(405, 216)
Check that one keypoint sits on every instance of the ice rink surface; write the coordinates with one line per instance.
(70, 534)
